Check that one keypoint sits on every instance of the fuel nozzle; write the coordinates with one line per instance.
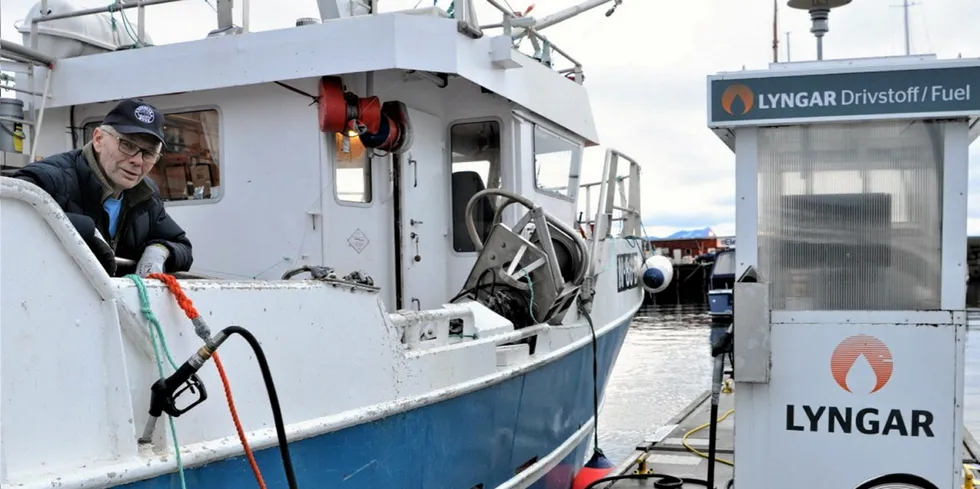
(722, 340)
(165, 391)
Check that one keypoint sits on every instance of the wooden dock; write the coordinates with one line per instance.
(665, 453)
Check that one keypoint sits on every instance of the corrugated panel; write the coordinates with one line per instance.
(850, 215)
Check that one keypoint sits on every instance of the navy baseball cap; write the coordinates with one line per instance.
(133, 116)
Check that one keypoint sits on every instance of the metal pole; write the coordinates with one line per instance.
(905, 7)
(788, 57)
(98, 10)
(26, 53)
(775, 27)
(245, 15)
(141, 19)
(44, 8)
(568, 13)
(820, 48)
(36, 131)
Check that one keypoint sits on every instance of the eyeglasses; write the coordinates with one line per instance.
(130, 148)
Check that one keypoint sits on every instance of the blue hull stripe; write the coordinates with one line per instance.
(479, 437)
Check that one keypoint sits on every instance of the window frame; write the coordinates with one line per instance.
(574, 166)
(221, 148)
(505, 177)
(332, 148)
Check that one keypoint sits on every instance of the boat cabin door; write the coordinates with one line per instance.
(422, 217)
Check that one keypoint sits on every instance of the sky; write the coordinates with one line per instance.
(646, 68)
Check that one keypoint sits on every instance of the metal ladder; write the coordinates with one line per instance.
(608, 212)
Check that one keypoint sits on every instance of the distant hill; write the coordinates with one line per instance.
(690, 234)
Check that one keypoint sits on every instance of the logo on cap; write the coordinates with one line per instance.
(144, 114)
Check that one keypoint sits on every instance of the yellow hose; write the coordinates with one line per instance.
(699, 428)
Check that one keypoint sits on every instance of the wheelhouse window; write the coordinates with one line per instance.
(190, 166)
(554, 158)
(475, 160)
(352, 178)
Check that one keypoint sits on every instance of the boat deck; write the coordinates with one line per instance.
(664, 452)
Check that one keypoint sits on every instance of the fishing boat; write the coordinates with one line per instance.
(390, 287)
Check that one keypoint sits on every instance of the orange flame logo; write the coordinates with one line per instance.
(875, 352)
(737, 91)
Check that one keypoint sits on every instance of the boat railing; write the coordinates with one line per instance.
(24, 59)
(608, 211)
(516, 26)
(223, 11)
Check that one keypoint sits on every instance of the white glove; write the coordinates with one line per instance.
(154, 256)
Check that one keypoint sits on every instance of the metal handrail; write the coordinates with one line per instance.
(630, 200)
(112, 7)
(534, 35)
(16, 52)
(116, 6)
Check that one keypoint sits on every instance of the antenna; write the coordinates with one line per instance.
(775, 27)
(819, 11)
(906, 4)
(905, 7)
(788, 52)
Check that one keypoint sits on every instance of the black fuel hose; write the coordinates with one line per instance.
(665, 481)
(270, 388)
(721, 345)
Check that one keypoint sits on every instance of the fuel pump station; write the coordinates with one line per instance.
(849, 317)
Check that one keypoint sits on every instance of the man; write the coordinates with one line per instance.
(104, 191)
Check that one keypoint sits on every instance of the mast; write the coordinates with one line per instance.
(905, 7)
(788, 55)
(775, 31)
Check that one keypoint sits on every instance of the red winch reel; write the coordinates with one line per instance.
(385, 126)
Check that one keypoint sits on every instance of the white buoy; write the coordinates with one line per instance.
(657, 274)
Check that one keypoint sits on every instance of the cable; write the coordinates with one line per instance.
(270, 387)
(699, 428)
(665, 481)
(201, 329)
(595, 374)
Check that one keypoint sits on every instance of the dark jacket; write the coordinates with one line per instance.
(77, 183)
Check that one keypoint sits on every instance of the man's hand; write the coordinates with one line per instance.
(154, 256)
(103, 252)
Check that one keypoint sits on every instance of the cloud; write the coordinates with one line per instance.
(649, 94)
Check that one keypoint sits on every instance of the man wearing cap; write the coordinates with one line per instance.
(103, 189)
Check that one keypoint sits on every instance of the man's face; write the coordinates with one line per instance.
(126, 158)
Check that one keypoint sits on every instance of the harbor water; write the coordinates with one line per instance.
(665, 362)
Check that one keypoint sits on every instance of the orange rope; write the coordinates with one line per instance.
(187, 305)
